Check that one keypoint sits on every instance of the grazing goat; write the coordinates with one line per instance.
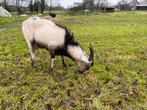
(58, 40)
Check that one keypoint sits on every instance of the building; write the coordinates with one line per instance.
(108, 9)
(4, 13)
(141, 7)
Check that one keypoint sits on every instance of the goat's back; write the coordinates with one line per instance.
(43, 31)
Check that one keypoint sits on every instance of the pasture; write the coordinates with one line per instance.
(117, 81)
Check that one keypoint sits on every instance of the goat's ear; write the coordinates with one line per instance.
(72, 34)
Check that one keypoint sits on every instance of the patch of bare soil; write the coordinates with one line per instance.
(10, 26)
(143, 13)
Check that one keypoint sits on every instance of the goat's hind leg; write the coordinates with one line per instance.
(32, 53)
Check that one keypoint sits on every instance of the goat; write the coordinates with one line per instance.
(58, 40)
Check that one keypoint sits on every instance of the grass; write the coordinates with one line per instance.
(117, 81)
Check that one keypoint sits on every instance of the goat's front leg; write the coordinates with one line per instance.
(52, 53)
(51, 64)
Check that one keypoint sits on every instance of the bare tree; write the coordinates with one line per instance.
(123, 2)
(42, 5)
(6, 4)
(84, 4)
(137, 2)
(51, 5)
(88, 4)
(36, 6)
(31, 6)
(101, 4)
(124, 5)
(97, 2)
(134, 3)
(19, 4)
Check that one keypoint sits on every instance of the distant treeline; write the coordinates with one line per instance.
(29, 6)
(39, 6)
(104, 6)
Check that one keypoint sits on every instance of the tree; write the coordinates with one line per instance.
(97, 2)
(42, 5)
(19, 4)
(36, 6)
(84, 4)
(101, 4)
(6, 4)
(136, 1)
(31, 6)
(133, 4)
(50, 6)
(88, 4)
(124, 5)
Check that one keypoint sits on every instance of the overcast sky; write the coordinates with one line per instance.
(68, 3)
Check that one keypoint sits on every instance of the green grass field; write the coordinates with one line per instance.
(117, 81)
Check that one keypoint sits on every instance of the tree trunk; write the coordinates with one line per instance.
(31, 6)
(42, 6)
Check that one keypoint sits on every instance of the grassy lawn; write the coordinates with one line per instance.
(117, 81)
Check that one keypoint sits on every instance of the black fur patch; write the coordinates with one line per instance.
(69, 40)
(62, 52)
(36, 44)
(69, 37)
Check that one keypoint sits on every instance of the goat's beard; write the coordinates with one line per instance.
(82, 66)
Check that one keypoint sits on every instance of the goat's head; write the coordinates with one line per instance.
(76, 52)
(83, 65)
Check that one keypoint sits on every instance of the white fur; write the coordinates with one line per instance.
(52, 63)
(44, 31)
(77, 53)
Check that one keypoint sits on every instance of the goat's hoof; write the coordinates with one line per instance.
(64, 65)
(50, 69)
(34, 64)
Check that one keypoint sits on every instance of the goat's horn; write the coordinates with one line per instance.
(91, 56)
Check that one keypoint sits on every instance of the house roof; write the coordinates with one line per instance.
(142, 5)
(4, 13)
